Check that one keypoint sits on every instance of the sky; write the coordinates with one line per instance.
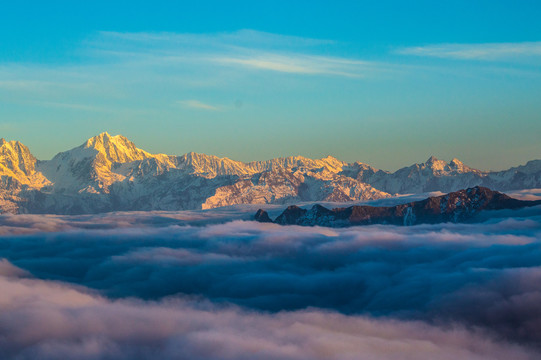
(388, 83)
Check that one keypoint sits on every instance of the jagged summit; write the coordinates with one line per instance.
(16, 157)
(116, 148)
(92, 166)
(329, 163)
(18, 167)
(435, 164)
(211, 166)
(440, 167)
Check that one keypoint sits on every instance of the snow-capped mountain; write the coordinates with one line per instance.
(109, 173)
(95, 165)
(432, 175)
(438, 175)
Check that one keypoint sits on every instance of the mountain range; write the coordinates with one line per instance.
(458, 206)
(109, 173)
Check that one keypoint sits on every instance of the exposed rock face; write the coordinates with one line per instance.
(291, 215)
(457, 206)
(109, 173)
(262, 216)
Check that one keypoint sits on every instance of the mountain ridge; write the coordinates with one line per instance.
(459, 206)
(109, 173)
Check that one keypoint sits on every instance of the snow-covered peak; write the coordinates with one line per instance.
(456, 162)
(333, 164)
(94, 165)
(435, 164)
(16, 157)
(363, 166)
(460, 167)
(328, 163)
(116, 148)
(211, 166)
(18, 167)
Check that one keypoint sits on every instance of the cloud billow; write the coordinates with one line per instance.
(47, 320)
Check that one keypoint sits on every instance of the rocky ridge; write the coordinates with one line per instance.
(459, 206)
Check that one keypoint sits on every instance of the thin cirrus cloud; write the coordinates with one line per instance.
(300, 64)
(244, 37)
(199, 105)
(108, 60)
(484, 51)
(246, 49)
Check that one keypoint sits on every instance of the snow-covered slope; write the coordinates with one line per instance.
(18, 167)
(438, 175)
(17, 174)
(432, 175)
(521, 177)
(93, 166)
(109, 173)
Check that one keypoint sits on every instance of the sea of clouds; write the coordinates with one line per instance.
(213, 285)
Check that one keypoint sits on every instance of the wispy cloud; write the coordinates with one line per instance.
(300, 64)
(485, 51)
(246, 49)
(242, 38)
(180, 62)
(196, 104)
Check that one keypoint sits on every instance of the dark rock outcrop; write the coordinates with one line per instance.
(459, 206)
(262, 216)
(291, 215)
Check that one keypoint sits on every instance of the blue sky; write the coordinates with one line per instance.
(388, 83)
